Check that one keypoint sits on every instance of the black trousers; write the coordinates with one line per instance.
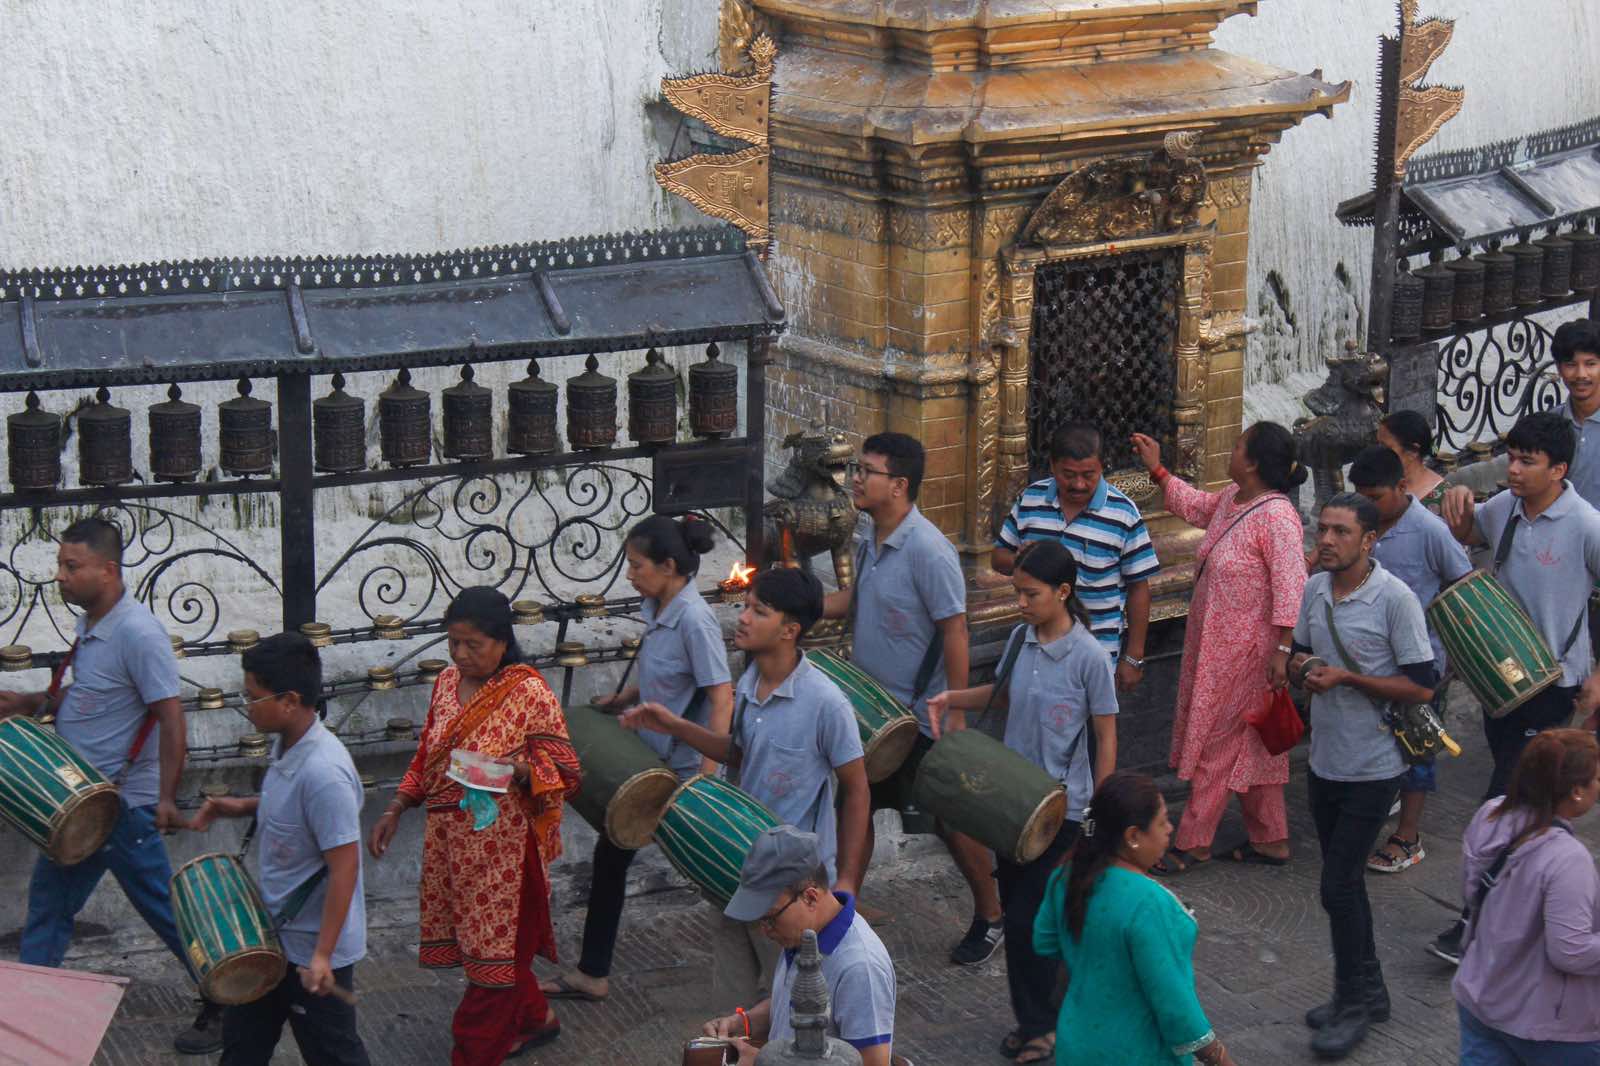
(608, 887)
(324, 1027)
(1030, 976)
(1550, 709)
(1349, 815)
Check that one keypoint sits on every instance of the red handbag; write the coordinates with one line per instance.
(1278, 722)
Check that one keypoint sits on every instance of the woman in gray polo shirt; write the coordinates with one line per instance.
(1056, 682)
(683, 665)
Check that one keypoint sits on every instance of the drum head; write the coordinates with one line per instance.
(244, 977)
(82, 828)
(887, 751)
(637, 806)
(1042, 827)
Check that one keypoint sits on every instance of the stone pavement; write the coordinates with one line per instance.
(1262, 959)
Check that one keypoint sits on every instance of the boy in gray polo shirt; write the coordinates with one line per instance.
(1367, 628)
(793, 734)
(784, 889)
(309, 811)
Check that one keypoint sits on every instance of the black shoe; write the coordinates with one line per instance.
(981, 941)
(204, 1037)
(1341, 1034)
(1447, 945)
(1376, 1002)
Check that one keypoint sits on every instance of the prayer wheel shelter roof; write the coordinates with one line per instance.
(221, 319)
(851, 96)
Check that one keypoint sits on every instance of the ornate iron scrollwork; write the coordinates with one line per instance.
(1103, 351)
(1488, 379)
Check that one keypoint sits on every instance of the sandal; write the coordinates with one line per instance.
(1247, 853)
(539, 1038)
(1012, 1044)
(1041, 1048)
(1176, 861)
(564, 989)
(1384, 861)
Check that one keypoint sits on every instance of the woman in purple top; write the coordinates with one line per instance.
(1528, 989)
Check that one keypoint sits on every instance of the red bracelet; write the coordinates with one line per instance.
(1160, 473)
(745, 1018)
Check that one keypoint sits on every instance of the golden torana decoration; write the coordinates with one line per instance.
(1421, 110)
(1114, 199)
(731, 187)
(731, 106)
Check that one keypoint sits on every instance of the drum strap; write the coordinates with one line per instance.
(297, 899)
(1201, 569)
(1008, 661)
(930, 655)
(1502, 552)
(733, 740)
(53, 693)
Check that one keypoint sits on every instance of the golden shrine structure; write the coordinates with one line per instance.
(992, 216)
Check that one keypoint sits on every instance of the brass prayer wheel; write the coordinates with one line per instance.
(1446, 461)
(1585, 260)
(468, 420)
(405, 423)
(591, 605)
(428, 669)
(1555, 281)
(592, 408)
(1438, 294)
(531, 414)
(33, 439)
(244, 433)
(653, 401)
(399, 728)
(1481, 451)
(339, 430)
(368, 781)
(177, 646)
(242, 639)
(526, 612)
(1405, 319)
(1499, 280)
(1467, 304)
(15, 657)
(1526, 285)
(215, 790)
(319, 633)
(254, 745)
(713, 396)
(380, 678)
(174, 438)
(210, 699)
(630, 647)
(105, 442)
(572, 653)
(389, 627)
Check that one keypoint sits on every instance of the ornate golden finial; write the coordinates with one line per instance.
(763, 53)
(739, 26)
(1180, 144)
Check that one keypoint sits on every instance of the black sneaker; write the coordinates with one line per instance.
(982, 938)
(1340, 1035)
(204, 1037)
(1447, 945)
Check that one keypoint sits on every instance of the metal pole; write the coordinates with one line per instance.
(758, 354)
(1386, 202)
(296, 499)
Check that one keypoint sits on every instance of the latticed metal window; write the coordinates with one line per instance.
(1102, 351)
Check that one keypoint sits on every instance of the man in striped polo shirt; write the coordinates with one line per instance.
(1102, 528)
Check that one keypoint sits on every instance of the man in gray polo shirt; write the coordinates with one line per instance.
(784, 889)
(309, 811)
(907, 611)
(121, 713)
(1576, 347)
(1367, 628)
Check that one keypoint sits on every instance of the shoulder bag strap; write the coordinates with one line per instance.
(1246, 513)
(1502, 552)
(1008, 661)
(1338, 645)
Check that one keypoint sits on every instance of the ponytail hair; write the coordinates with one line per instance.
(1048, 561)
(684, 540)
(1124, 801)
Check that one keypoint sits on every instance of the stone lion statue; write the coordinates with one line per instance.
(811, 510)
(1347, 407)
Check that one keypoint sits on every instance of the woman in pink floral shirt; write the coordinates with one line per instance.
(1251, 573)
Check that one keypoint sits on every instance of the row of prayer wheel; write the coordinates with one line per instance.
(1464, 290)
(405, 424)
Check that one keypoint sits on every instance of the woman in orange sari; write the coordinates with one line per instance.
(485, 893)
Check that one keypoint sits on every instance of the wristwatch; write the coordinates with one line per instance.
(1285, 649)
(1137, 664)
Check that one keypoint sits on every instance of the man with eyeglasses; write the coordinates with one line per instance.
(909, 631)
(784, 888)
(121, 713)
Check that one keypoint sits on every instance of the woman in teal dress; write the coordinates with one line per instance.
(1129, 936)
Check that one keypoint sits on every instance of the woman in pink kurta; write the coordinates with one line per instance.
(1236, 648)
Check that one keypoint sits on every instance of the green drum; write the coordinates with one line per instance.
(52, 795)
(625, 786)
(1492, 643)
(707, 831)
(975, 784)
(225, 929)
(888, 730)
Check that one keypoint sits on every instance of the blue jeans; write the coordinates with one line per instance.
(1483, 1046)
(135, 856)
